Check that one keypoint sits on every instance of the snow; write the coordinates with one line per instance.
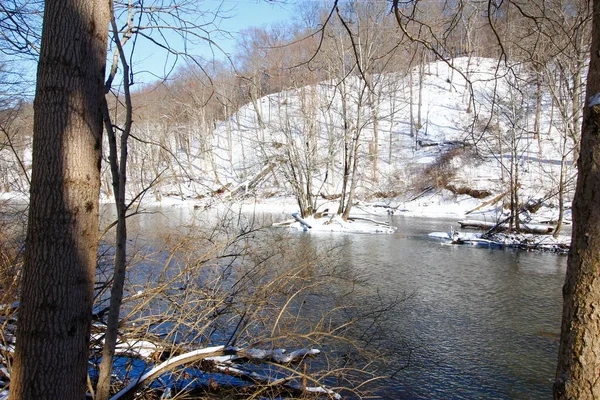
(454, 235)
(242, 149)
(449, 127)
(133, 347)
(524, 241)
(280, 356)
(320, 389)
(337, 224)
(14, 196)
(138, 348)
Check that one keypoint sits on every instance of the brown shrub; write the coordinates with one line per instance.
(475, 193)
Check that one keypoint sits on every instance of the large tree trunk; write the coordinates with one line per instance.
(579, 354)
(51, 357)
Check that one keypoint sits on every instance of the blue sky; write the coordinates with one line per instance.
(241, 14)
(247, 13)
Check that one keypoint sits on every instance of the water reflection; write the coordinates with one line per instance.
(476, 323)
(479, 323)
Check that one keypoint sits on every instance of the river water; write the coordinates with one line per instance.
(476, 323)
(484, 323)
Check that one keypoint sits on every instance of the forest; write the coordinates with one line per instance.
(336, 112)
(351, 102)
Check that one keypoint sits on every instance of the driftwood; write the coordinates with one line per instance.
(301, 221)
(422, 193)
(500, 227)
(377, 223)
(252, 182)
(489, 202)
(168, 365)
(220, 359)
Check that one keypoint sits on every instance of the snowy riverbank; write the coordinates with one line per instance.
(372, 217)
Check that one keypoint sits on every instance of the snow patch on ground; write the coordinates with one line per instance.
(335, 223)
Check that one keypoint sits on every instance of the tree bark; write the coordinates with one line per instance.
(51, 356)
(579, 355)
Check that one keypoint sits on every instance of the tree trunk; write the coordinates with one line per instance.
(411, 115)
(561, 197)
(516, 205)
(420, 97)
(579, 353)
(374, 102)
(353, 180)
(347, 152)
(538, 104)
(119, 178)
(229, 137)
(51, 357)
(391, 131)
(254, 99)
(514, 182)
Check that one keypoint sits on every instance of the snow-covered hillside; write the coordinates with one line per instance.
(446, 140)
(468, 136)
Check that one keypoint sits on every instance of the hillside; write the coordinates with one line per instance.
(472, 131)
(460, 157)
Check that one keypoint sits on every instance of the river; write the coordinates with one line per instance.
(476, 323)
(484, 323)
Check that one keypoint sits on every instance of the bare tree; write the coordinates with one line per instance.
(20, 27)
(246, 289)
(118, 152)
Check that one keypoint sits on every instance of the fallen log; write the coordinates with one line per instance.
(523, 227)
(422, 193)
(301, 221)
(487, 203)
(377, 223)
(253, 182)
(220, 359)
(148, 377)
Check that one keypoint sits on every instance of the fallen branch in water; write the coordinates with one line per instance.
(168, 365)
(220, 359)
